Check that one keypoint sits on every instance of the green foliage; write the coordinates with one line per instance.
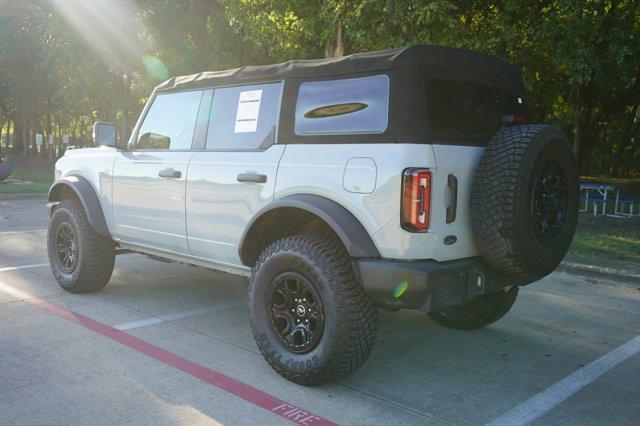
(607, 239)
(27, 180)
(580, 59)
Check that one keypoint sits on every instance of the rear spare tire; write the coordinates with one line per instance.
(525, 200)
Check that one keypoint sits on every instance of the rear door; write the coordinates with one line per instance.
(234, 176)
(149, 180)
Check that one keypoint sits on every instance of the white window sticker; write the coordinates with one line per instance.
(248, 110)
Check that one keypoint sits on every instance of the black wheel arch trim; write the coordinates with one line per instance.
(351, 232)
(87, 196)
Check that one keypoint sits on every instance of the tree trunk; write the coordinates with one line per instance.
(81, 137)
(624, 142)
(582, 135)
(335, 46)
(36, 129)
(6, 133)
(626, 162)
(391, 7)
(26, 136)
(2, 133)
(49, 135)
(32, 139)
(17, 135)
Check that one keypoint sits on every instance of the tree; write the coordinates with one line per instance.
(68, 63)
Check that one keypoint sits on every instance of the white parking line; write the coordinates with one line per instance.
(22, 232)
(13, 268)
(214, 378)
(545, 401)
(12, 291)
(175, 316)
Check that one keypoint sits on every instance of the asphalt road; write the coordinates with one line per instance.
(567, 353)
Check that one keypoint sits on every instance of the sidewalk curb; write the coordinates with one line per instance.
(618, 275)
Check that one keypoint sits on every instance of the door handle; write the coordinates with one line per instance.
(252, 177)
(452, 183)
(170, 173)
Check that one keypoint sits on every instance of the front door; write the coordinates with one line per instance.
(235, 175)
(149, 180)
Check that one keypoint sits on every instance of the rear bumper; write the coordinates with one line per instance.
(428, 285)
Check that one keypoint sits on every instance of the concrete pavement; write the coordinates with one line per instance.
(55, 370)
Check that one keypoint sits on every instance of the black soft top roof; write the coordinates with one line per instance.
(448, 62)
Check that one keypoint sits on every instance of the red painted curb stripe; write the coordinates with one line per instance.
(215, 378)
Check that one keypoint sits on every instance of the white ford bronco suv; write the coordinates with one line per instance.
(405, 178)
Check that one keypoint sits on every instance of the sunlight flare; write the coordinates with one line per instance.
(108, 26)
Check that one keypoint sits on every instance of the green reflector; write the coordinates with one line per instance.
(399, 291)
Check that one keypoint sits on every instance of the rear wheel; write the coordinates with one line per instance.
(311, 319)
(81, 260)
(481, 312)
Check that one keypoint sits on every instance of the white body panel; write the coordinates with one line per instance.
(149, 209)
(96, 166)
(461, 161)
(204, 212)
(219, 207)
(320, 169)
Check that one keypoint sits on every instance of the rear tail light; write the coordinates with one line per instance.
(416, 199)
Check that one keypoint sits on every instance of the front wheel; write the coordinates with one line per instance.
(481, 312)
(311, 319)
(81, 259)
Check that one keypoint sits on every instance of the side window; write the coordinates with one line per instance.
(347, 106)
(170, 122)
(243, 117)
(456, 107)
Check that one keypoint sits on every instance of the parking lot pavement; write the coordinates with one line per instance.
(186, 355)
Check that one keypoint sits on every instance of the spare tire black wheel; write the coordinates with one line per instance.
(525, 200)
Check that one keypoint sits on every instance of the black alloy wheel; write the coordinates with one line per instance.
(67, 247)
(524, 203)
(549, 203)
(296, 313)
(312, 320)
(81, 260)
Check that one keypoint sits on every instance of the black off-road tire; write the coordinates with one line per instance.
(350, 315)
(502, 205)
(96, 253)
(481, 312)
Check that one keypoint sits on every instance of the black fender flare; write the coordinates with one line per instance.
(87, 196)
(353, 235)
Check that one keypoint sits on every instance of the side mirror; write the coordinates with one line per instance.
(105, 134)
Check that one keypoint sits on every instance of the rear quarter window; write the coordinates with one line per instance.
(341, 107)
(457, 108)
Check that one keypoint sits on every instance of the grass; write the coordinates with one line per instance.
(28, 176)
(607, 239)
(602, 239)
